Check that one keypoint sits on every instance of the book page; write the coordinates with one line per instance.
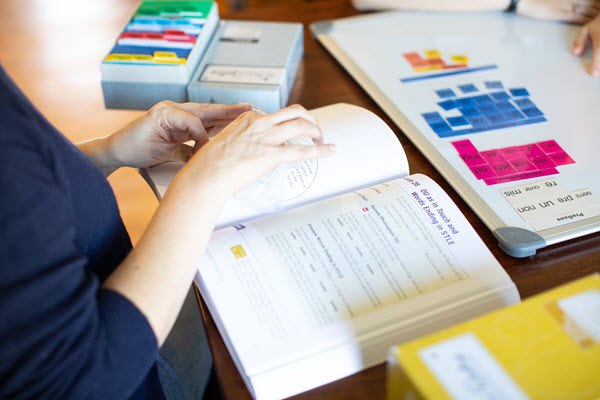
(322, 274)
(367, 152)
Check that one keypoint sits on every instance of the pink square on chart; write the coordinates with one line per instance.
(503, 179)
(523, 165)
(492, 156)
(464, 147)
(561, 158)
(482, 171)
(550, 146)
(503, 168)
(542, 162)
(531, 150)
(472, 159)
(511, 152)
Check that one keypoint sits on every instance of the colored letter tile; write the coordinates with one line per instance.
(561, 158)
(457, 121)
(531, 150)
(488, 109)
(468, 88)
(505, 106)
(448, 104)
(459, 58)
(503, 168)
(542, 162)
(495, 119)
(469, 112)
(494, 85)
(482, 171)
(550, 146)
(511, 153)
(518, 92)
(500, 96)
(464, 102)
(524, 103)
(432, 54)
(492, 156)
(472, 159)
(432, 117)
(483, 99)
(523, 165)
(445, 93)
(532, 112)
(440, 126)
(464, 146)
(513, 115)
(478, 121)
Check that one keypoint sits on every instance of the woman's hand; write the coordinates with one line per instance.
(159, 135)
(579, 11)
(251, 146)
(589, 33)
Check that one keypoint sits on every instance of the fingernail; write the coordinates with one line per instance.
(596, 73)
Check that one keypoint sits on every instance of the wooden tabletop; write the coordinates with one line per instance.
(322, 81)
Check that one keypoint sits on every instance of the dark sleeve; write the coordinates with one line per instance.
(61, 337)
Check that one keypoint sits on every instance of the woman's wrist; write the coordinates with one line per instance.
(102, 153)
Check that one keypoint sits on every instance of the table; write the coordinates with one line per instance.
(322, 81)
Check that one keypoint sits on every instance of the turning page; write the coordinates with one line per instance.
(367, 152)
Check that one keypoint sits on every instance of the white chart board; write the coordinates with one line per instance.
(498, 105)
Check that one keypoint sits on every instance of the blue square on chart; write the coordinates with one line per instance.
(483, 99)
(500, 96)
(445, 93)
(533, 112)
(432, 117)
(468, 88)
(518, 92)
(478, 122)
(524, 103)
(512, 115)
(495, 119)
(465, 101)
(469, 112)
(488, 109)
(448, 104)
(494, 85)
(505, 106)
(457, 121)
(440, 126)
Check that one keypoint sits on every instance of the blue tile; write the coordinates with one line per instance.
(465, 101)
(478, 121)
(524, 103)
(505, 106)
(499, 96)
(495, 119)
(532, 112)
(483, 99)
(518, 92)
(488, 109)
(512, 115)
(468, 88)
(445, 93)
(494, 85)
(432, 117)
(469, 112)
(440, 126)
(448, 104)
(457, 121)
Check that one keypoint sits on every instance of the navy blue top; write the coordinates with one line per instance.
(61, 235)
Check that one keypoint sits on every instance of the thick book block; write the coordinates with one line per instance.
(249, 61)
(547, 347)
(156, 55)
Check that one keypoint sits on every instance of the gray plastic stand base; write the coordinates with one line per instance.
(518, 242)
(141, 95)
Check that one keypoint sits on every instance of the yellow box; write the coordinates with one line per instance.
(546, 348)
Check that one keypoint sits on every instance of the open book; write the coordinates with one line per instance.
(358, 256)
